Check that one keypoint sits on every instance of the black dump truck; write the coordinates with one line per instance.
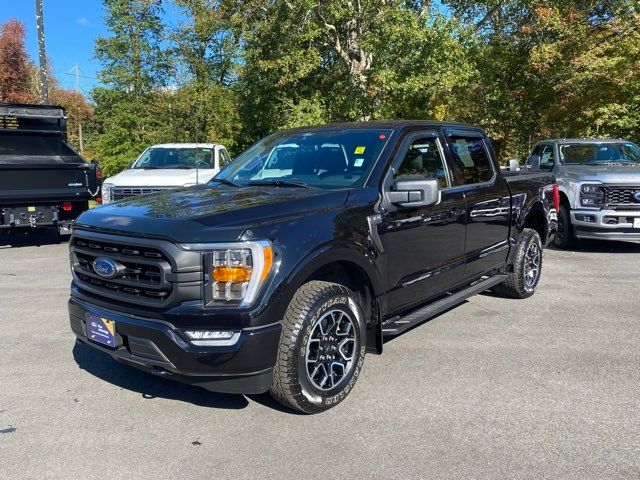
(304, 253)
(43, 181)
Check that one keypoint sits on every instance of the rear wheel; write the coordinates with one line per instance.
(322, 348)
(565, 237)
(527, 268)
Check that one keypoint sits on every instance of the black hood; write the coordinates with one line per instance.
(209, 213)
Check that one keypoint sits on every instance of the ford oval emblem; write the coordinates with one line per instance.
(107, 268)
(636, 196)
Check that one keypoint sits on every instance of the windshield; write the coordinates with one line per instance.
(600, 153)
(324, 159)
(187, 158)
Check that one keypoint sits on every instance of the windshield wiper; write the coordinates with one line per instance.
(226, 182)
(278, 183)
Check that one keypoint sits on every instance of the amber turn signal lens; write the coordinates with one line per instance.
(268, 261)
(232, 274)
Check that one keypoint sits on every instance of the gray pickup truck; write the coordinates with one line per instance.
(599, 182)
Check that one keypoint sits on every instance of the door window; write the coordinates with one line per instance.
(471, 158)
(547, 157)
(423, 159)
(225, 159)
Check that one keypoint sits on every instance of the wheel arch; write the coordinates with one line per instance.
(355, 269)
(537, 220)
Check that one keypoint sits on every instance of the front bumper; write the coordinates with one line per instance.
(159, 348)
(606, 224)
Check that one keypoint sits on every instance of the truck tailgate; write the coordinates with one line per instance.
(44, 183)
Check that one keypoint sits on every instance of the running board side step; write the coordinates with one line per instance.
(397, 325)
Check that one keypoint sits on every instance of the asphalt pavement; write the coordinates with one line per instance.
(547, 387)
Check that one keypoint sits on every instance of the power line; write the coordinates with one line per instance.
(70, 72)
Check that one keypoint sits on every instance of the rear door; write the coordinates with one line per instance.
(425, 244)
(488, 201)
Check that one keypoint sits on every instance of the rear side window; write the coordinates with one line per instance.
(471, 159)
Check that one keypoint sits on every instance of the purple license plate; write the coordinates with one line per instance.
(101, 330)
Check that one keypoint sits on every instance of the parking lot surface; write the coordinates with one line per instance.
(547, 387)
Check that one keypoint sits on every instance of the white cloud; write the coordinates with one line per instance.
(83, 21)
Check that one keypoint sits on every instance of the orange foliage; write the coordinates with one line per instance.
(15, 66)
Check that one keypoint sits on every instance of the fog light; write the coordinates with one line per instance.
(212, 337)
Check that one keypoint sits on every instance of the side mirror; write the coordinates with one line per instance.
(533, 163)
(409, 193)
(514, 165)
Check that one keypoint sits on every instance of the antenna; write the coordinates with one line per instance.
(197, 155)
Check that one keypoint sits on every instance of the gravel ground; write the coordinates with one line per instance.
(542, 388)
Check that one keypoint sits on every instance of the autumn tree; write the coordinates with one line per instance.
(15, 65)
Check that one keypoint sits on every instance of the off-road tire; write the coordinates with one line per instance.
(291, 384)
(565, 237)
(516, 285)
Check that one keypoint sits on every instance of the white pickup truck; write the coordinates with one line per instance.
(169, 165)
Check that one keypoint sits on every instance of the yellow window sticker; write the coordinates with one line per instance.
(360, 150)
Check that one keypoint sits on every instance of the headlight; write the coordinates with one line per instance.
(591, 195)
(106, 192)
(235, 271)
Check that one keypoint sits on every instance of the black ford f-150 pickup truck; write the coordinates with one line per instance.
(304, 253)
(43, 181)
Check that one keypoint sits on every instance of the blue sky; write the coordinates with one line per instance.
(71, 26)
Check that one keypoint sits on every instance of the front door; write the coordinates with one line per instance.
(425, 244)
(488, 202)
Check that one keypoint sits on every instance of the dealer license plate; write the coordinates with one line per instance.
(101, 330)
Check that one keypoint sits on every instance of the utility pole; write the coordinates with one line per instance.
(76, 71)
(44, 82)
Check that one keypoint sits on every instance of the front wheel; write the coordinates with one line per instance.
(322, 348)
(565, 238)
(527, 268)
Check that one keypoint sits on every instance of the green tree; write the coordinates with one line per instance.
(134, 68)
(310, 62)
(551, 69)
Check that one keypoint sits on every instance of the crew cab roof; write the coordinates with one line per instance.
(386, 124)
(582, 140)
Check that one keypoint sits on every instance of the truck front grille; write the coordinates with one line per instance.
(621, 197)
(122, 193)
(149, 276)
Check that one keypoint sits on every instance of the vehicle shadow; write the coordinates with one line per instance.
(600, 246)
(31, 238)
(149, 386)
